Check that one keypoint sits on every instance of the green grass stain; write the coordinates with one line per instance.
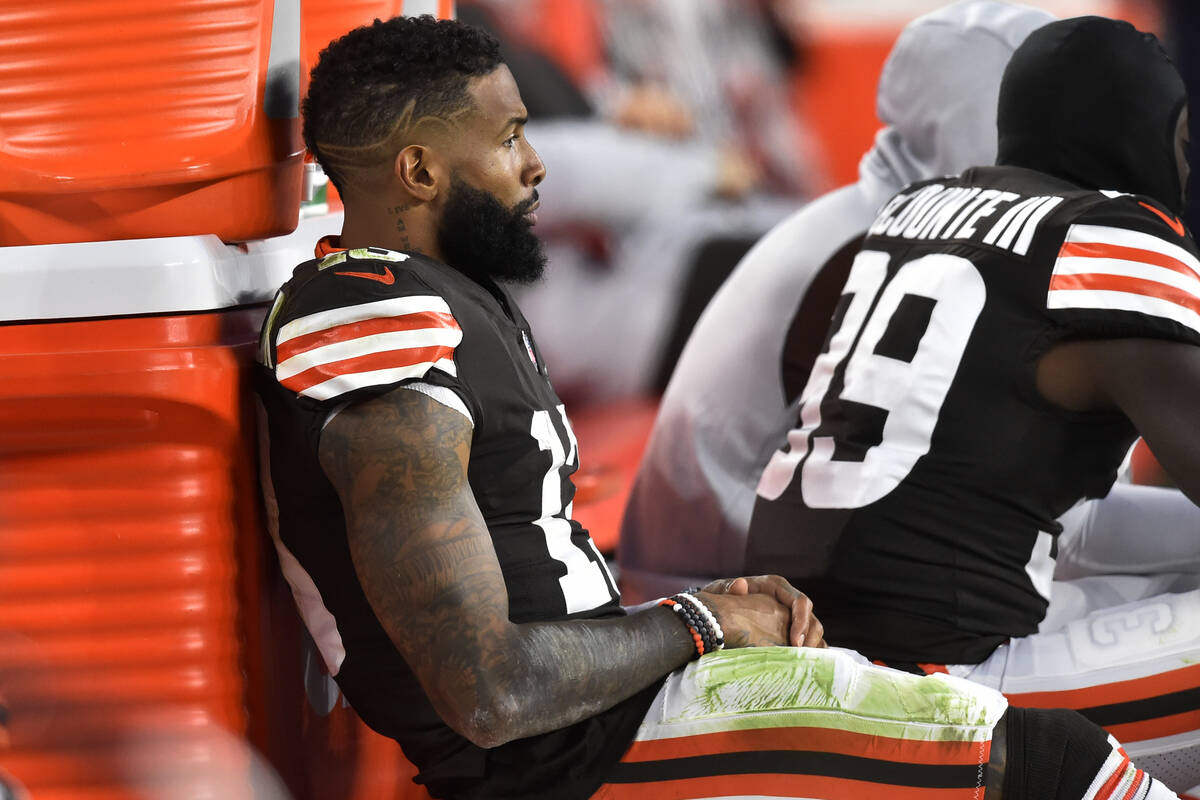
(753, 687)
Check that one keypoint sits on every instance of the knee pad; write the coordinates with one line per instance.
(1057, 754)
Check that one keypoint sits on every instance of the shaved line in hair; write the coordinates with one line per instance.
(362, 159)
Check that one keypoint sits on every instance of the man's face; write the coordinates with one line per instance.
(485, 226)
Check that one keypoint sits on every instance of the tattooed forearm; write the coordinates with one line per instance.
(592, 665)
(426, 563)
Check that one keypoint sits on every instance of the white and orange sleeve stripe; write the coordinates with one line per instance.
(1101, 267)
(1119, 779)
(329, 353)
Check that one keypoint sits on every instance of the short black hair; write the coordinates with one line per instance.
(367, 82)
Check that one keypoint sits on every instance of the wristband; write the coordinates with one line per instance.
(718, 635)
(700, 621)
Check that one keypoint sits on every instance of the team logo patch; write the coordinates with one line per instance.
(387, 278)
(1175, 224)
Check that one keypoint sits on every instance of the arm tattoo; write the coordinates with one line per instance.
(426, 563)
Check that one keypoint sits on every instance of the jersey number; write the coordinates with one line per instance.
(869, 408)
(587, 582)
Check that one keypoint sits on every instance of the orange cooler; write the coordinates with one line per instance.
(131, 556)
(148, 648)
(148, 118)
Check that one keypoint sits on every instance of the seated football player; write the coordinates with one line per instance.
(1001, 340)
(734, 393)
(418, 483)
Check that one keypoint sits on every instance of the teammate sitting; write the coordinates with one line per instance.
(733, 395)
(1002, 338)
(419, 488)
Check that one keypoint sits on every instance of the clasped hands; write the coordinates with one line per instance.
(763, 610)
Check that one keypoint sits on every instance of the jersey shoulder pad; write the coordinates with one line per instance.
(1131, 261)
(355, 320)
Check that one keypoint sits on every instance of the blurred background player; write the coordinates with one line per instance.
(694, 97)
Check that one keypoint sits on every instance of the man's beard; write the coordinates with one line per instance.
(481, 238)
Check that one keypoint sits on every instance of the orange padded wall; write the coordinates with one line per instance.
(129, 119)
(127, 507)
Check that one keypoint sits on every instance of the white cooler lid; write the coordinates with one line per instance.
(132, 277)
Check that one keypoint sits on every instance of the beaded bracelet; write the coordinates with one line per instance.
(701, 623)
(718, 635)
(680, 609)
(695, 623)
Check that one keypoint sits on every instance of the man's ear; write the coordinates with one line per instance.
(418, 171)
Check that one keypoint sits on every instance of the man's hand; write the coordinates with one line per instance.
(800, 625)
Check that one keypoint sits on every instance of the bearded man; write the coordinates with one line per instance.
(419, 486)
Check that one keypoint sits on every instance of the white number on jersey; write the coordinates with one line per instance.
(586, 584)
(904, 383)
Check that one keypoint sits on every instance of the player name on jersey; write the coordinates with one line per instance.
(985, 216)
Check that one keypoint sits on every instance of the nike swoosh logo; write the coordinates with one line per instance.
(1176, 224)
(387, 279)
